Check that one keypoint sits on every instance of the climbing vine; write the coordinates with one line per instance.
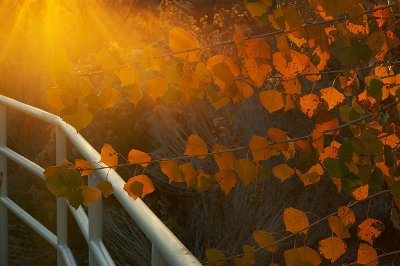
(333, 62)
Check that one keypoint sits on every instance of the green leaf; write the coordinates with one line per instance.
(395, 218)
(375, 89)
(335, 167)
(75, 199)
(345, 152)
(62, 180)
(265, 240)
(246, 170)
(305, 162)
(215, 257)
(395, 189)
(375, 181)
(105, 188)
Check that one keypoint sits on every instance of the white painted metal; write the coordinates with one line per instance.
(165, 242)
(79, 214)
(3, 191)
(156, 257)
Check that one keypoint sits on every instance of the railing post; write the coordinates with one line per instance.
(95, 222)
(3, 191)
(156, 257)
(62, 223)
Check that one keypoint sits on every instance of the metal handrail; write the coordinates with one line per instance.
(166, 248)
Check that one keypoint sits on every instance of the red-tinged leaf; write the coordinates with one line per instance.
(332, 96)
(109, 156)
(156, 87)
(370, 229)
(196, 146)
(90, 195)
(260, 148)
(265, 240)
(283, 172)
(295, 221)
(139, 157)
(367, 255)
(309, 104)
(226, 180)
(180, 40)
(302, 256)
(106, 188)
(171, 170)
(224, 160)
(246, 170)
(272, 100)
(332, 248)
(84, 167)
(139, 186)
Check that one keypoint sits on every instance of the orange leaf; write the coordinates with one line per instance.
(332, 248)
(84, 166)
(360, 193)
(277, 135)
(326, 121)
(265, 240)
(225, 160)
(180, 40)
(223, 71)
(226, 180)
(367, 255)
(171, 170)
(109, 156)
(291, 69)
(292, 86)
(370, 229)
(309, 104)
(332, 96)
(239, 38)
(346, 215)
(302, 256)
(258, 70)
(156, 87)
(105, 187)
(139, 157)
(271, 100)
(283, 171)
(90, 195)
(139, 186)
(246, 170)
(196, 146)
(260, 148)
(257, 48)
(189, 174)
(295, 220)
(337, 227)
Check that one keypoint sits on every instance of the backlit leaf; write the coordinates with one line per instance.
(309, 104)
(278, 135)
(226, 180)
(302, 256)
(62, 180)
(332, 96)
(367, 255)
(180, 40)
(295, 220)
(258, 70)
(84, 166)
(105, 58)
(370, 229)
(108, 97)
(109, 156)
(246, 170)
(105, 187)
(139, 186)
(256, 8)
(222, 75)
(337, 227)
(283, 171)
(171, 169)
(271, 100)
(156, 87)
(189, 174)
(256, 48)
(346, 216)
(134, 94)
(265, 240)
(260, 148)
(79, 118)
(90, 195)
(290, 69)
(127, 75)
(215, 257)
(139, 157)
(361, 192)
(196, 146)
(332, 248)
(225, 160)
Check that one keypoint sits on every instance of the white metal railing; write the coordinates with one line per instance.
(166, 248)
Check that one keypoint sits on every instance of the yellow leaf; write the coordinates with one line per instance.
(180, 40)
(272, 100)
(226, 180)
(139, 186)
(225, 160)
(346, 215)
(256, 9)
(90, 195)
(367, 255)
(84, 166)
(171, 170)
(249, 257)
(135, 94)
(265, 240)
(127, 75)
(370, 229)
(196, 146)
(105, 187)
(246, 170)
(332, 96)
(151, 58)
(302, 256)
(283, 171)
(139, 157)
(295, 220)
(108, 97)
(260, 148)
(332, 248)
(215, 257)
(80, 118)
(189, 174)
(107, 61)
(156, 87)
(109, 156)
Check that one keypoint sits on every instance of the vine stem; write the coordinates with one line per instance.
(179, 158)
(256, 249)
(263, 35)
